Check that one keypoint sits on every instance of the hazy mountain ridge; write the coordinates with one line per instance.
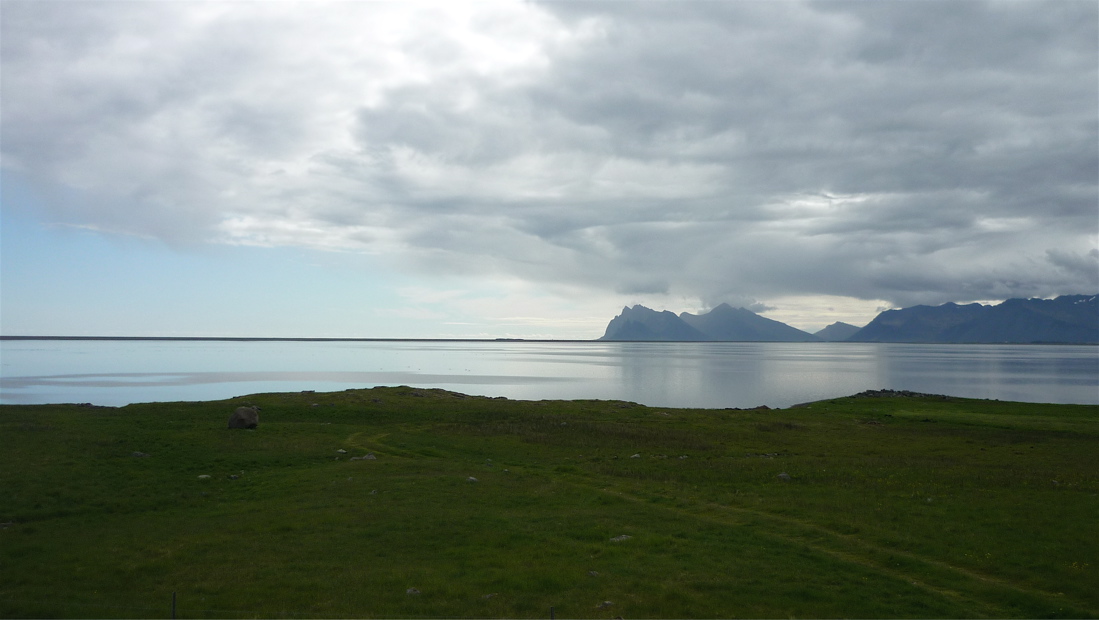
(1070, 319)
(837, 332)
(1067, 319)
(724, 323)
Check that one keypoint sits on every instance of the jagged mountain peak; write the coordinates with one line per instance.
(722, 323)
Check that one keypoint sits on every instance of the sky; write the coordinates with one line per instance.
(525, 169)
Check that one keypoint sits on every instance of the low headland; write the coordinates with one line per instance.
(412, 502)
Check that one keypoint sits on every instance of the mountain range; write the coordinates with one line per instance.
(1066, 319)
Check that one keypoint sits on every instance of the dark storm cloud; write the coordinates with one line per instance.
(915, 152)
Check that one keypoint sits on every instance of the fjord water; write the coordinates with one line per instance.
(668, 374)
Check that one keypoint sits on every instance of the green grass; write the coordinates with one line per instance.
(894, 507)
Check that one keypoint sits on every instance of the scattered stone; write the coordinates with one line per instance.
(636, 456)
(342, 451)
(370, 457)
(785, 477)
(621, 538)
(604, 605)
(593, 573)
(374, 492)
(1055, 483)
(245, 417)
(472, 479)
(897, 394)
(412, 591)
(490, 595)
(139, 454)
(204, 477)
(682, 456)
(233, 476)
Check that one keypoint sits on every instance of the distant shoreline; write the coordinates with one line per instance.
(280, 339)
(487, 340)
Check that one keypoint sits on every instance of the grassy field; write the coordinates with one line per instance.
(480, 507)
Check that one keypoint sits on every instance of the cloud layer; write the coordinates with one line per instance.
(911, 152)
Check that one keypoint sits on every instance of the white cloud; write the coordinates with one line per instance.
(687, 153)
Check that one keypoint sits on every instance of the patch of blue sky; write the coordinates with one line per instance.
(59, 278)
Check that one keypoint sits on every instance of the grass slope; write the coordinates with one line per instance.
(894, 507)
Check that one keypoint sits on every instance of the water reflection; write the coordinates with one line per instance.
(711, 375)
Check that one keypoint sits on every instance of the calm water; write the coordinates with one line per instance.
(711, 375)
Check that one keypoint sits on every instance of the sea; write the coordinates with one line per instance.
(713, 375)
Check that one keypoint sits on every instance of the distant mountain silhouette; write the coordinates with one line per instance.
(1072, 319)
(837, 331)
(728, 324)
(641, 323)
(723, 323)
(1066, 319)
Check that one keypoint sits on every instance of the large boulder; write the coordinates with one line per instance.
(245, 417)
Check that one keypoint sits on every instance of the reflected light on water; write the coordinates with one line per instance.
(707, 375)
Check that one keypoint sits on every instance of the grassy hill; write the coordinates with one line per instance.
(477, 507)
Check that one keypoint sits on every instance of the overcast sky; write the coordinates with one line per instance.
(525, 169)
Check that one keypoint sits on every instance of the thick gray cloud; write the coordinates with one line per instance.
(914, 152)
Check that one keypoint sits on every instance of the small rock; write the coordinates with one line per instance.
(412, 591)
(621, 538)
(342, 451)
(233, 476)
(490, 595)
(604, 605)
(139, 454)
(472, 479)
(785, 477)
(593, 573)
(245, 417)
(374, 492)
(370, 457)
(682, 456)
(204, 477)
(636, 456)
